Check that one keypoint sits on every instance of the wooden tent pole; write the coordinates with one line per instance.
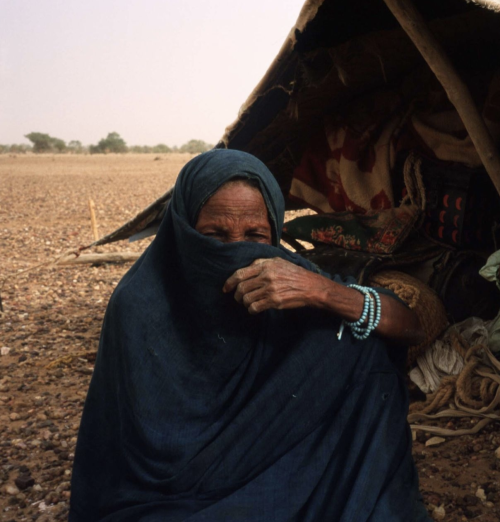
(415, 26)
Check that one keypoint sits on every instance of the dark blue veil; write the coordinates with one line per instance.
(199, 411)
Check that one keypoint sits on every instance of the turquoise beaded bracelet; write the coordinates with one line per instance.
(371, 314)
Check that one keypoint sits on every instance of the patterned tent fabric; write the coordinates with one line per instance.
(349, 171)
(348, 166)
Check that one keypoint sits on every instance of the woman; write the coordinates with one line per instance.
(201, 411)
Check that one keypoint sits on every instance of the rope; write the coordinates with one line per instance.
(473, 393)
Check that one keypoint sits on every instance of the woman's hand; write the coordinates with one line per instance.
(273, 283)
(278, 284)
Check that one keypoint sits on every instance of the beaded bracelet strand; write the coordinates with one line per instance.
(371, 314)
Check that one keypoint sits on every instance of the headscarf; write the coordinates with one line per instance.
(199, 411)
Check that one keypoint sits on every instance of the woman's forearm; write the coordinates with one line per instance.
(279, 284)
(397, 323)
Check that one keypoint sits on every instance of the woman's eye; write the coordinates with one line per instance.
(256, 236)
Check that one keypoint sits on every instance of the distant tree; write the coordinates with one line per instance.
(45, 143)
(41, 142)
(112, 143)
(58, 145)
(195, 146)
(75, 146)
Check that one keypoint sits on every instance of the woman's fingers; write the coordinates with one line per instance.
(243, 274)
(246, 287)
(271, 283)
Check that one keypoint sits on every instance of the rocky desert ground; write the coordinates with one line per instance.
(50, 325)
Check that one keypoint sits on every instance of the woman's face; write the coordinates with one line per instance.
(236, 212)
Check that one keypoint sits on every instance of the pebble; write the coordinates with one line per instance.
(11, 490)
(497, 453)
(24, 481)
(14, 416)
(4, 350)
(434, 441)
(439, 513)
(480, 494)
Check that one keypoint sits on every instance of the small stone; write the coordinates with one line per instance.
(11, 490)
(63, 455)
(18, 443)
(47, 445)
(25, 481)
(434, 441)
(439, 513)
(57, 415)
(37, 487)
(480, 494)
(14, 416)
(51, 498)
(4, 350)
(497, 453)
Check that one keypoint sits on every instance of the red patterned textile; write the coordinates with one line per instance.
(347, 166)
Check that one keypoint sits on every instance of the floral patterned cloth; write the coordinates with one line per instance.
(376, 232)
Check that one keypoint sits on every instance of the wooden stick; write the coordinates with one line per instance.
(89, 259)
(93, 220)
(415, 26)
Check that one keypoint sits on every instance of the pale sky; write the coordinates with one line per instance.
(155, 71)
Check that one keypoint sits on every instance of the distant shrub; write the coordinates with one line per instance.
(76, 147)
(112, 143)
(15, 149)
(195, 147)
(161, 148)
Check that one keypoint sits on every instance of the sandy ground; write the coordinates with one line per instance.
(50, 328)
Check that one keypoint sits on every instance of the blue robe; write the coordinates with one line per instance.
(199, 411)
